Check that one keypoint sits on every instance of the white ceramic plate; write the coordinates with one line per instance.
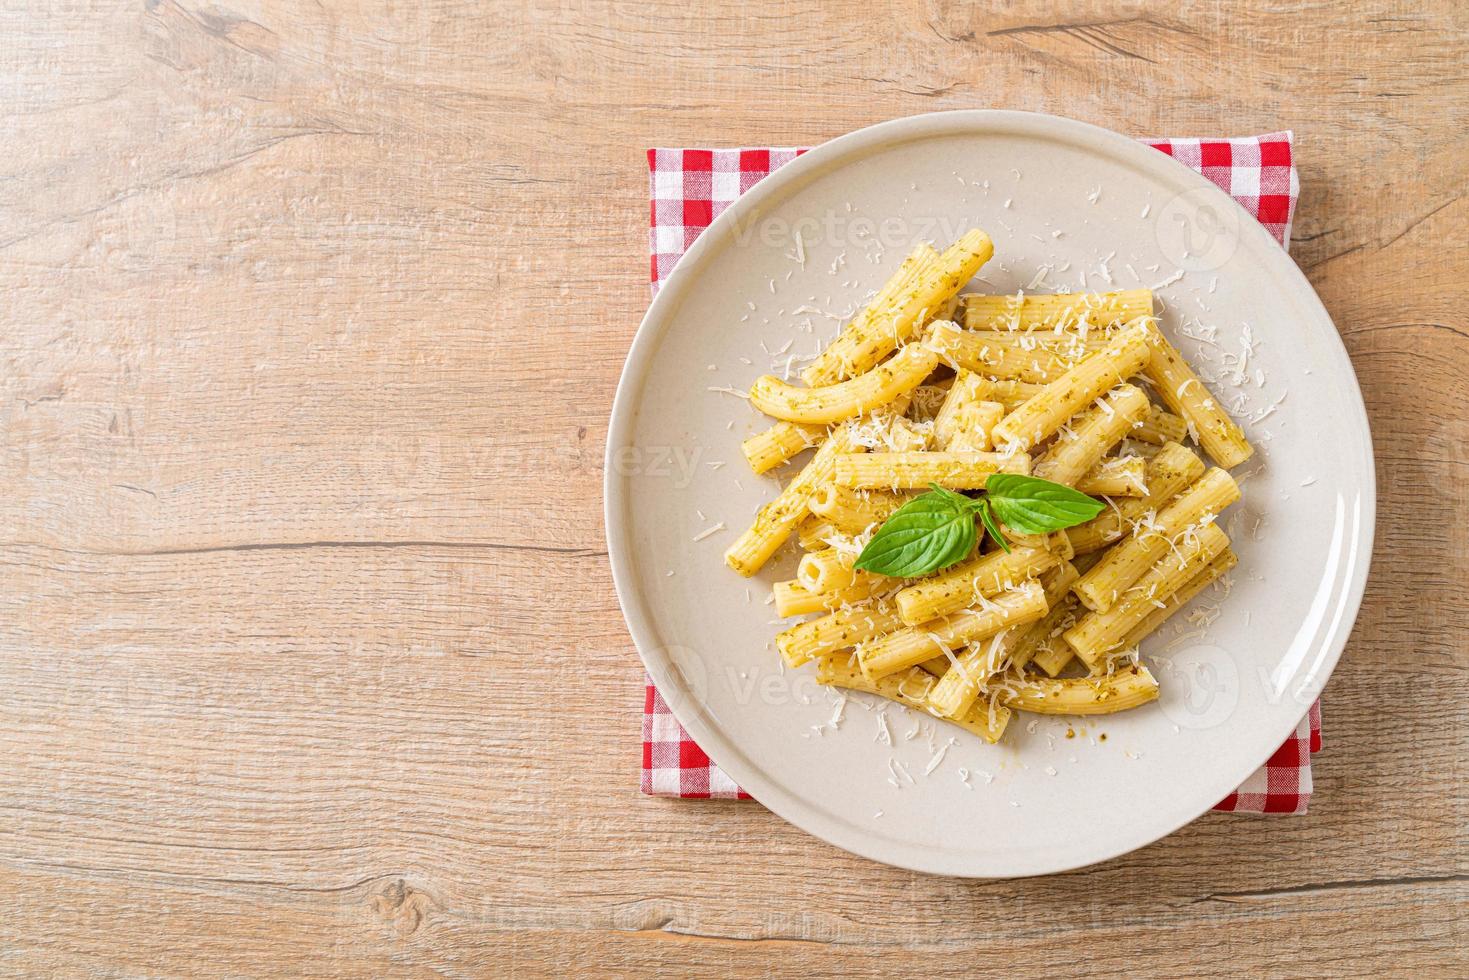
(1040, 801)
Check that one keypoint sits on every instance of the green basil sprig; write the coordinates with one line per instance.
(936, 529)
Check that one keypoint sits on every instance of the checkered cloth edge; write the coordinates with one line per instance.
(690, 187)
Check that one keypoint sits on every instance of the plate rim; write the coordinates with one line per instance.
(788, 804)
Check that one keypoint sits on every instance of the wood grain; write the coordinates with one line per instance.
(309, 308)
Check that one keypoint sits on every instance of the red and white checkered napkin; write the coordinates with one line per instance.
(691, 187)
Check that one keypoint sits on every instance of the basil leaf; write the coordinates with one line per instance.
(929, 532)
(987, 516)
(1031, 505)
(957, 499)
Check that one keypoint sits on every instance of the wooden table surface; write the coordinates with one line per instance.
(312, 315)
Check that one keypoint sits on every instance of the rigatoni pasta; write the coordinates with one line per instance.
(1032, 311)
(1099, 633)
(766, 450)
(911, 687)
(1123, 565)
(908, 471)
(959, 687)
(794, 599)
(777, 519)
(966, 390)
(1181, 389)
(1081, 390)
(1160, 427)
(912, 645)
(1174, 468)
(974, 431)
(854, 511)
(862, 346)
(1100, 695)
(898, 376)
(1090, 434)
(1005, 360)
(1222, 563)
(966, 584)
(1119, 476)
(836, 363)
(840, 630)
(826, 570)
(1081, 385)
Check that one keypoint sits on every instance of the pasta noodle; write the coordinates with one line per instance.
(1221, 564)
(815, 534)
(829, 367)
(777, 519)
(836, 631)
(826, 571)
(1083, 384)
(914, 644)
(911, 687)
(910, 471)
(965, 584)
(1165, 475)
(854, 511)
(833, 403)
(1099, 633)
(764, 451)
(968, 351)
(862, 345)
(1087, 439)
(1124, 564)
(1037, 311)
(1100, 695)
(1160, 427)
(962, 394)
(1116, 477)
(794, 599)
(1183, 392)
(957, 689)
(1042, 645)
